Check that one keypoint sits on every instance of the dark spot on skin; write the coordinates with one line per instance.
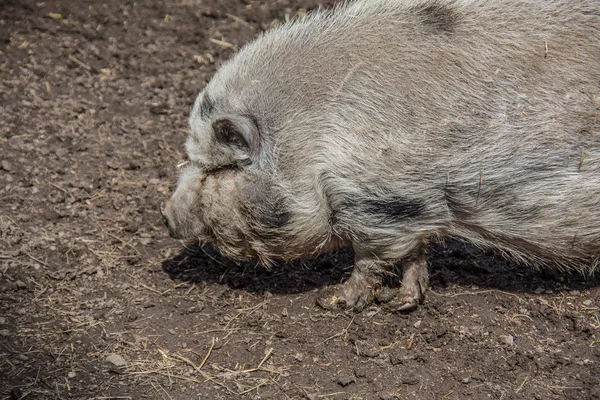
(438, 17)
(267, 208)
(396, 207)
(274, 214)
(207, 106)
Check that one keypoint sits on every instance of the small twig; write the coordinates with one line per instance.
(96, 196)
(163, 389)
(65, 191)
(252, 388)
(166, 358)
(265, 358)
(522, 384)
(566, 387)
(35, 259)
(79, 62)
(411, 341)
(521, 316)
(241, 21)
(259, 368)
(186, 360)
(343, 332)
(124, 242)
(475, 293)
(150, 289)
(200, 59)
(217, 330)
(184, 378)
(222, 43)
(243, 310)
(212, 345)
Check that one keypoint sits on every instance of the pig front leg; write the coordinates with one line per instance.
(365, 285)
(359, 290)
(415, 281)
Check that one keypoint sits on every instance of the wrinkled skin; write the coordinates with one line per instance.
(384, 125)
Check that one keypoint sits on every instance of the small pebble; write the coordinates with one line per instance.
(418, 323)
(115, 363)
(467, 380)
(507, 339)
(22, 357)
(172, 331)
(20, 284)
(345, 380)
(587, 303)
(2, 320)
(71, 374)
(4, 332)
(61, 152)
(6, 165)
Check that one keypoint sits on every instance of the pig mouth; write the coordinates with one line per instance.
(206, 236)
(196, 232)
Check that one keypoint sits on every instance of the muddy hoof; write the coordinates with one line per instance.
(330, 299)
(345, 297)
(406, 307)
(408, 299)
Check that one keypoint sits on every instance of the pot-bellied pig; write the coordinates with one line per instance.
(385, 125)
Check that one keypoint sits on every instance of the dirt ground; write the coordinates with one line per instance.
(97, 302)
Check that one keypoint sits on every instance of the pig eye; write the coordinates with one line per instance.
(227, 133)
(239, 132)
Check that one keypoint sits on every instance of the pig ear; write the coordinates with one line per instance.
(240, 133)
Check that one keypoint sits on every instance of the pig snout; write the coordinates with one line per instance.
(166, 210)
(180, 220)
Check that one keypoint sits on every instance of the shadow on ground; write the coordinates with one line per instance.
(455, 263)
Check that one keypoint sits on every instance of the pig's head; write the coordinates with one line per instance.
(226, 194)
(231, 192)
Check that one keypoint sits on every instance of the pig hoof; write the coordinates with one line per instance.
(407, 307)
(331, 301)
(409, 298)
(345, 297)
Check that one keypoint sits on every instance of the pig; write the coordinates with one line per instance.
(386, 125)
